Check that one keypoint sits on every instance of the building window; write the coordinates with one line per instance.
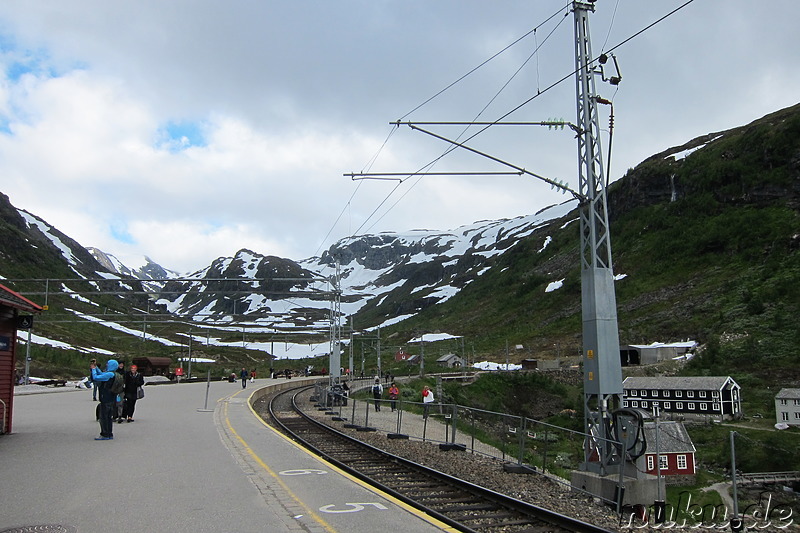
(666, 394)
(654, 393)
(797, 402)
(797, 415)
(716, 406)
(642, 393)
(663, 460)
(678, 393)
(784, 416)
(690, 394)
(666, 405)
(679, 405)
(651, 464)
(704, 406)
(625, 392)
(783, 402)
(634, 403)
(644, 403)
(691, 406)
(715, 394)
(681, 462)
(702, 394)
(624, 403)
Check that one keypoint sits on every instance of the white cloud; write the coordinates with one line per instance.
(287, 98)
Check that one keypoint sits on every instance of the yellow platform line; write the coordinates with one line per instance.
(271, 472)
(400, 503)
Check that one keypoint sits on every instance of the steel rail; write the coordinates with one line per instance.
(345, 452)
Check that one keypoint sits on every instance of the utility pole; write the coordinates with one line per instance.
(380, 372)
(602, 370)
(350, 362)
(335, 370)
(422, 355)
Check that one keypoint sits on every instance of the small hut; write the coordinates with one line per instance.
(11, 305)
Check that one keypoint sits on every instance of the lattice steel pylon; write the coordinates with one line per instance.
(335, 370)
(602, 369)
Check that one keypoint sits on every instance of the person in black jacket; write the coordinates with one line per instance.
(133, 380)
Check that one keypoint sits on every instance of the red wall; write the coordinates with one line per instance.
(672, 466)
(7, 363)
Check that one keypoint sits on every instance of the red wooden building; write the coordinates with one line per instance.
(13, 307)
(676, 451)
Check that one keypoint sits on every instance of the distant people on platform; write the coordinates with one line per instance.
(243, 375)
(427, 400)
(108, 399)
(345, 393)
(394, 392)
(120, 397)
(252, 375)
(377, 393)
(133, 382)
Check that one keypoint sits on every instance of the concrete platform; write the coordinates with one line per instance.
(179, 468)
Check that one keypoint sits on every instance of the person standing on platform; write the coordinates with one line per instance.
(108, 400)
(394, 392)
(377, 392)
(244, 375)
(121, 396)
(133, 380)
(91, 381)
(427, 400)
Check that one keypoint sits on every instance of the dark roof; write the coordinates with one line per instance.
(672, 437)
(677, 382)
(15, 300)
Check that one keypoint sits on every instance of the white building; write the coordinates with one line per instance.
(787, 407)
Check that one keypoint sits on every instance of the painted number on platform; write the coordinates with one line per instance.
(354, 507)
(302, 472)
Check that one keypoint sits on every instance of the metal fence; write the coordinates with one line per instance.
(520, 442)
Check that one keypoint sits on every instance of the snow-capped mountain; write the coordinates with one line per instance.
(401, 272)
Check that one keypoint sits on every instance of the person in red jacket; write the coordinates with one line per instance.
(394, 392)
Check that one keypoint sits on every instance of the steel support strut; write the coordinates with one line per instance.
(602, 370)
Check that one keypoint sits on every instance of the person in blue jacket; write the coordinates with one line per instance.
(108, 400)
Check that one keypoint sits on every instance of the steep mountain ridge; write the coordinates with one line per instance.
(706, 234)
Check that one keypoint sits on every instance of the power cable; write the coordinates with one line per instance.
(428, 100)
(448, 87)
(524, 103)
(611, 25)
(450, 149)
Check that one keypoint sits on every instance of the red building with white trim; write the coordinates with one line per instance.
(11, 305)
(676, 451)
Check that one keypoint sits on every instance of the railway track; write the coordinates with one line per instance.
(463, 505)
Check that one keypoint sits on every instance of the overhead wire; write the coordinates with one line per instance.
(419, 174)
(449, 149)
(513, 110)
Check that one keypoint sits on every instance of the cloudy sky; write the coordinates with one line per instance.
(187, 130)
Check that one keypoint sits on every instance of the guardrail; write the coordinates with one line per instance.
(755, 478)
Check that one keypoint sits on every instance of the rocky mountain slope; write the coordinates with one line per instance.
(705, 239)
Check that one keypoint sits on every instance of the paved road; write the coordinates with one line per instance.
(178, 468)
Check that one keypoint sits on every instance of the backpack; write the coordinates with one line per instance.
(376, 389)
(118, 385)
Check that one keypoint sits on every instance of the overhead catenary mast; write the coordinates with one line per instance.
(335, 363)
(602, 369)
